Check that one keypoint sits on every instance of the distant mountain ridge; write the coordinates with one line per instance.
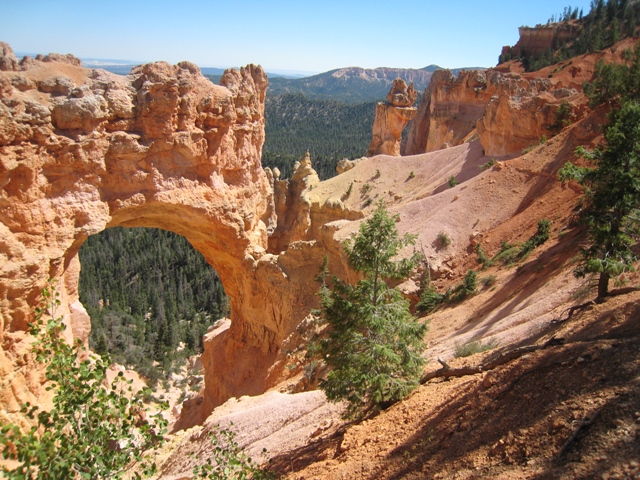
(353, 84)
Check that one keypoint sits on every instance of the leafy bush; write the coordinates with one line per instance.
(474, 347)
(508, 253)
(452, 181)
(541, 236)
(470, 282)
(483, 259)
(513, 253)
(563, 117)
(466, 288)
(347, 194)
(229, 461)
(91, 431)
(489, 164)
(488, 281)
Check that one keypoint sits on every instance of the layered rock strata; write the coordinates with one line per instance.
(392, 117)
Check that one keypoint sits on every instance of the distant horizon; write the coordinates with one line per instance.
(95, 62)
(282, 36)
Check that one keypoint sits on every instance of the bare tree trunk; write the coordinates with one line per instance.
(603, 285)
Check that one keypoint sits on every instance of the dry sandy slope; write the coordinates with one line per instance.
(529, 419)
(488, 206)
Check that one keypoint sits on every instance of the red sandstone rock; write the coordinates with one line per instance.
(8, 61)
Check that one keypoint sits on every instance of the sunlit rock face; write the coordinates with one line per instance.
(391, 118)
(82, 150)
(506, 111)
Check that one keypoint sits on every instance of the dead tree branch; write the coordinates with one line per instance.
(447, 372)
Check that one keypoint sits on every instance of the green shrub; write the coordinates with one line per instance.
(347, 194)
(366, 188)
(91, 431)
(443, 240)
(452, 181)
(430, 300)
(489, 164)
(541, 236)
(229, 461)
(411, 175)
(488, 281)
(470, 282)
(508, 253)
(468, 287)
(474, 347)
(483, 259)
(513, 253)
(563, 117)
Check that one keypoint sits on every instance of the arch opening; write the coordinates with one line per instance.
(150, 297)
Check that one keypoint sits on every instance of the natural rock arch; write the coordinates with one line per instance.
(83, 150)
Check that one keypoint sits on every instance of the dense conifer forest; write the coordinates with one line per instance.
(150, 295)
(328, 129)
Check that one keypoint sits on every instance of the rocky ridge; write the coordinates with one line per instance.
(506, 109)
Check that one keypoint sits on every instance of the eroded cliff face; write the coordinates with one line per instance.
(540, 39)
(82, 150)
(506, 111)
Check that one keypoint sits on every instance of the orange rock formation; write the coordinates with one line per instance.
(83, 150)
(391, 118)
(542, 38)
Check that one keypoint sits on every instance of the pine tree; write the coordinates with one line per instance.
(374, 344)
(613, 195)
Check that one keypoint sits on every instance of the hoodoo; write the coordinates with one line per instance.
(391, 118)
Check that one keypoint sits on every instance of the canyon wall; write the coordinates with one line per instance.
(83, 150)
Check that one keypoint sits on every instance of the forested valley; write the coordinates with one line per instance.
(330, 130)
(150, 295)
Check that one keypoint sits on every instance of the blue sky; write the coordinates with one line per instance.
(309, 36)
